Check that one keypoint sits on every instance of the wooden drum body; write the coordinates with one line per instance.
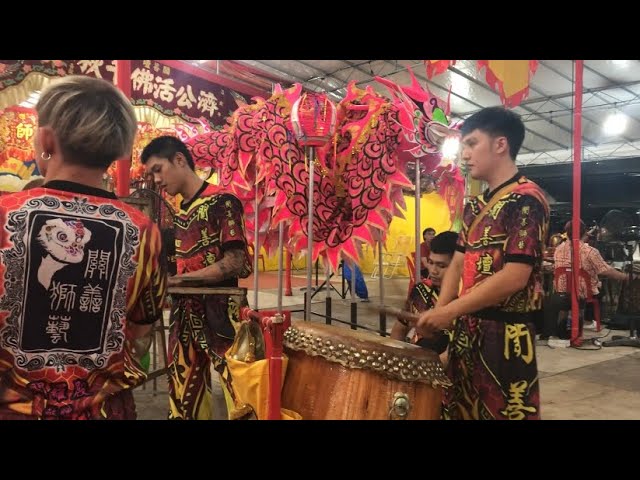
(339, 374)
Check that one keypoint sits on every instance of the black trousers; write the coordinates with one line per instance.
(588, 311)
(553, 305)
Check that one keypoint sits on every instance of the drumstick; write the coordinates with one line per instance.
(188, 289)
(182, 281)
(410, 317)
(396, 312)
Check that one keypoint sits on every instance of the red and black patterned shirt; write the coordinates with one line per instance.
(514, 230)
(423, 297)
(206, 227)
(78, 268)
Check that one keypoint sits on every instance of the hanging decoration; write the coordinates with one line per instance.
(436, 67)
(509, 78)
(313, 118)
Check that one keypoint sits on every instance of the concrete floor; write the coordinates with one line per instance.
(575, 384)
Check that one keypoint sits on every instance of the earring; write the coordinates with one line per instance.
(47, 158)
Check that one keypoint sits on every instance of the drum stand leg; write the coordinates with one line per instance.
(163, 343)
(158, 329)
(632, 340)
(354, 305)
(154, 359)
(305, 310)
(383, 315)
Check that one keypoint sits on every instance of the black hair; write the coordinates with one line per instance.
(497, 122)
(444, 243)
(426, 230)
(166, 147)
(568, 229)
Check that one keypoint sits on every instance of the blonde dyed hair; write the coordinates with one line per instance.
(94, 122)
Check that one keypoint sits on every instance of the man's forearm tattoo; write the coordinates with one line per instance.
(231, 264)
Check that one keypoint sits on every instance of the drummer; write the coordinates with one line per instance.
(210, 245)
(492, 362)
(424, 295)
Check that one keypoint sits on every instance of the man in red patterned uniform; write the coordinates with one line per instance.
(210, 245)
(492, 361)
(424, 296)
(80, 274)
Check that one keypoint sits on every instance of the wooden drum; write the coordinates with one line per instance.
(339, 374)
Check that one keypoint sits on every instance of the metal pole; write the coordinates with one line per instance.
(311, 156)
(328, 312)
(287, 284)
(354, 305)
(280, 268)
(383, 315)
(256, 248)
(418, 260)
(575, 228)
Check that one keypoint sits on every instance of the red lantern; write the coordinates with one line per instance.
(314, 119)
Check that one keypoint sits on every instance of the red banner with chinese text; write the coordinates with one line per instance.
(174, 92)
(170, 91)
(17, 127)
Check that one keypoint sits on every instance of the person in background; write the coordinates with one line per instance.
(361, 287)
(424, 295)
(427, 236)
(591, 261)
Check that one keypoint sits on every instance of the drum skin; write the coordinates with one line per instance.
(339, 374)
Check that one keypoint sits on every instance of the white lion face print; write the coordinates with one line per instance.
(64, 241)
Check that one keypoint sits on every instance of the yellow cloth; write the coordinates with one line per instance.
(250, 381)
(514, 75)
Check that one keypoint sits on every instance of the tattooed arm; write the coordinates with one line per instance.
(229, 266)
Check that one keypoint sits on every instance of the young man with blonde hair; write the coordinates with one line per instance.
(81, 282)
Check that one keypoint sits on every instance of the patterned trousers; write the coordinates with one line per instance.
(493, 368)
(193, 348)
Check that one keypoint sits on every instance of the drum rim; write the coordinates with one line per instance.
(394, 365)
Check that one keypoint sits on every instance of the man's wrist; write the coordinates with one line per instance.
(451, 310)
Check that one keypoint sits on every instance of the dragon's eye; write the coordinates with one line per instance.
(62, 236)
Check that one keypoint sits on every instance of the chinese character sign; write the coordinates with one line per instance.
(97, 68)
(166, 89)
(13, 72)
(174, 92)
(17, 127)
